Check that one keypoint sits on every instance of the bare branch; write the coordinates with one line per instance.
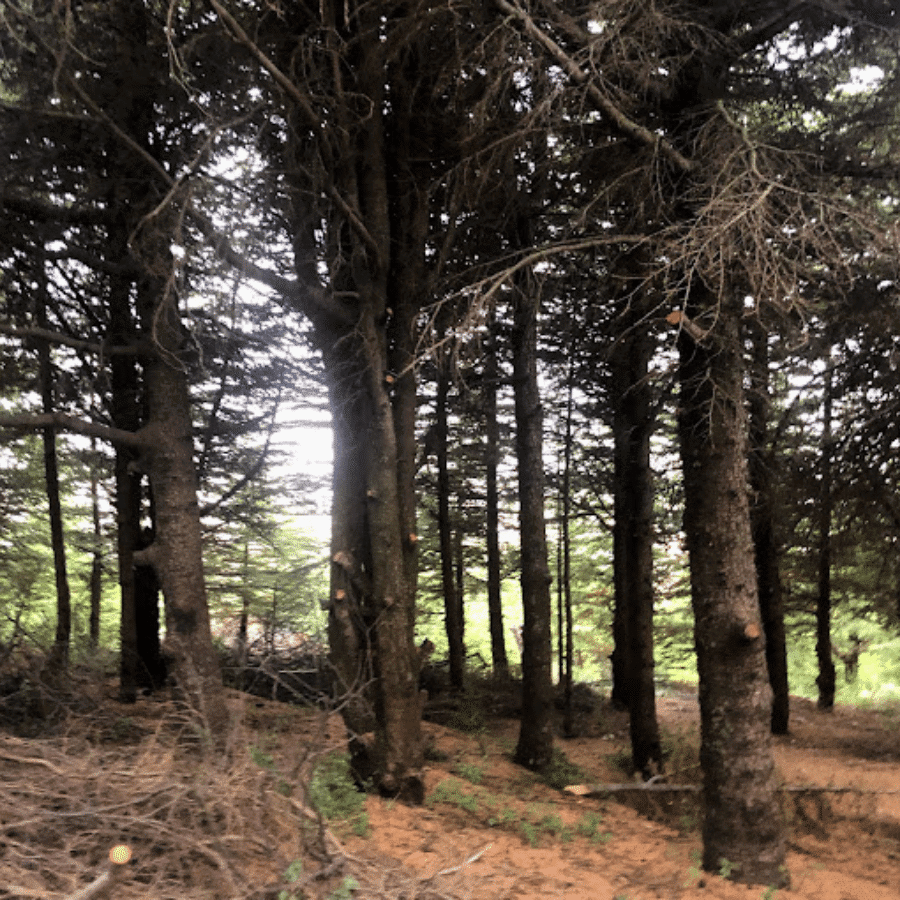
(627, 126)
(64, 340)
(64, 422)
(280, 78)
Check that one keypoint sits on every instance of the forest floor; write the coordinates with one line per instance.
(204, 823)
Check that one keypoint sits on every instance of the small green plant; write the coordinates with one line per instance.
(345, 890)
(726, 867)
(262, 759)
(449, 791)
(505, 817)
(470, 772)
(770, 892)
(333, 795)
(695, 872)
(562, 772)
(589, 826)
(291, 876)
(530, 832)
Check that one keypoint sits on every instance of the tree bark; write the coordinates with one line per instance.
(535, 745)
(58, 658)
(375, 229)
(499, 660)
(453, 619)
(633, 421)
(762, 516)
(826, 679)
(566, 635)
(742, 821)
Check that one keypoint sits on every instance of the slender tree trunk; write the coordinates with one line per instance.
(566, 625)
(826, 680)
(499, 659)
(742, 819)
(535, 746)
(762, 513)
(633, 422)
(453, 619)
(96, 579)
(58, 658)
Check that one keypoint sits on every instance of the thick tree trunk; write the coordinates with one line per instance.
(633, 540)
(742, 819)
(762, 517)
(499, 660)
(453, 619)
(176, 552)
(535, 746)
(826, 679)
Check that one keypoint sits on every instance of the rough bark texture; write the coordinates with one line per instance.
(375, 233)
(742, 820)
(633, 536)
(762, 463)
(176, 552)
(535, 745)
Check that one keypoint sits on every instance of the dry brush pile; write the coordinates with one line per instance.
(201, 823)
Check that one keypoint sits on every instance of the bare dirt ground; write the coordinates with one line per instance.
(207, 824)
(843, 846)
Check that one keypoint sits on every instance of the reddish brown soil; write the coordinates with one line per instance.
(843, 846)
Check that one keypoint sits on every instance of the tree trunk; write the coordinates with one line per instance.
(176, 553)
(633, 541)
(535, 746)
(453, 619)
(762, 517)
(58, 658)
(826, 680)
(742, 820)
(499, 660)
(565, 575)
(96, 578)
(380, 261)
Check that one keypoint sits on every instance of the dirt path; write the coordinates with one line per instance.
(493, 831)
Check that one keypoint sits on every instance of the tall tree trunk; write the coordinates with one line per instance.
(379, 259)
(826, 679)
(58, 658)
(499, 660)
(742, 820)
(453, 620)
(762, 517)
(96, 578)
(633, 422)
(176, 552)
(565, 574)
(535, 746)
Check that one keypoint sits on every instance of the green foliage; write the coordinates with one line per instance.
(449, 791)
(589, 827)
(470, 772)
(726, 867)
(332, 793)
(291, 876)
(562, 772)
(345, 890)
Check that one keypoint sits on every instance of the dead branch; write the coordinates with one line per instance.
(64, 422)
(626, 125)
